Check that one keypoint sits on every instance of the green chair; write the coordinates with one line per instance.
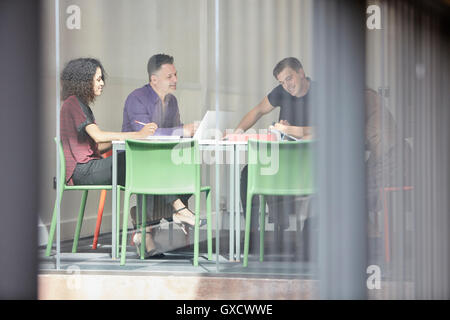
(164, 168)
(64, 187)
(276, 168)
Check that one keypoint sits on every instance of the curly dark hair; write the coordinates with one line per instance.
(77, 79)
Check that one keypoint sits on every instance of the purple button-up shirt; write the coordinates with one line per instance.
(144, 105)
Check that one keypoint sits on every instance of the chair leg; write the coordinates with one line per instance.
(262, 226)
(51, 233)
(125, 228)
(117, 221)
(209, 223)
(248, 215)
(171, 234)
(80, 221)
(138, 207)
(196, 229)
(143, 226)
(101, 206)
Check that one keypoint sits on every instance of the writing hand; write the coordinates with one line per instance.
(148, 129)
(279, 126)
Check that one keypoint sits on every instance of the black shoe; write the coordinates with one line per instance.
(154, 255)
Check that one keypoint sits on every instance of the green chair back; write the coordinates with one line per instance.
(276, 168)
(280, 167)
(164, 167)
(150, 167)
(62, 163)
(64, 187)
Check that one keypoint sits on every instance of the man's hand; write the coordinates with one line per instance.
(189, 129)
(227, 132)
(284, 126)
(280, 126)
(148, 130)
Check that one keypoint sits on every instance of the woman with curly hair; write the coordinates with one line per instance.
(82, 82)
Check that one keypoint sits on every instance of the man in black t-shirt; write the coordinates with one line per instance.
(293, 96)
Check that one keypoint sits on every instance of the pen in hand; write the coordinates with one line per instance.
(152, 125)
(140, 122)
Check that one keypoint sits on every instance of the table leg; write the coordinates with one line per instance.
(231, 205)
(114, 200)
(139, 200)
(237, 182)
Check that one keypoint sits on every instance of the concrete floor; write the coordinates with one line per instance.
(279, 260)
(92, 274)
(286, 272)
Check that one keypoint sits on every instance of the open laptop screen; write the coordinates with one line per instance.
(209, 129)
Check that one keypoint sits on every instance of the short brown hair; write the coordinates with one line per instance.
(156, 61)
(290, 62)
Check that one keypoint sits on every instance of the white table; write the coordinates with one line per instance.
(232, 149)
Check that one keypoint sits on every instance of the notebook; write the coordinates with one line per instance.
(283, 136)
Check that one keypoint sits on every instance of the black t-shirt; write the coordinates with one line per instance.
(293, 109)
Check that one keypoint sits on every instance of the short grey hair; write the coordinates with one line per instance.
(156, 61)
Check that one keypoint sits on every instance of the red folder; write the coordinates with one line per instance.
(246, 136)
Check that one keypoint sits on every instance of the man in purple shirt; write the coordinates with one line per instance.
(155, 102)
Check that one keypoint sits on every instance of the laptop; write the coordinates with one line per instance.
(210, 130)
